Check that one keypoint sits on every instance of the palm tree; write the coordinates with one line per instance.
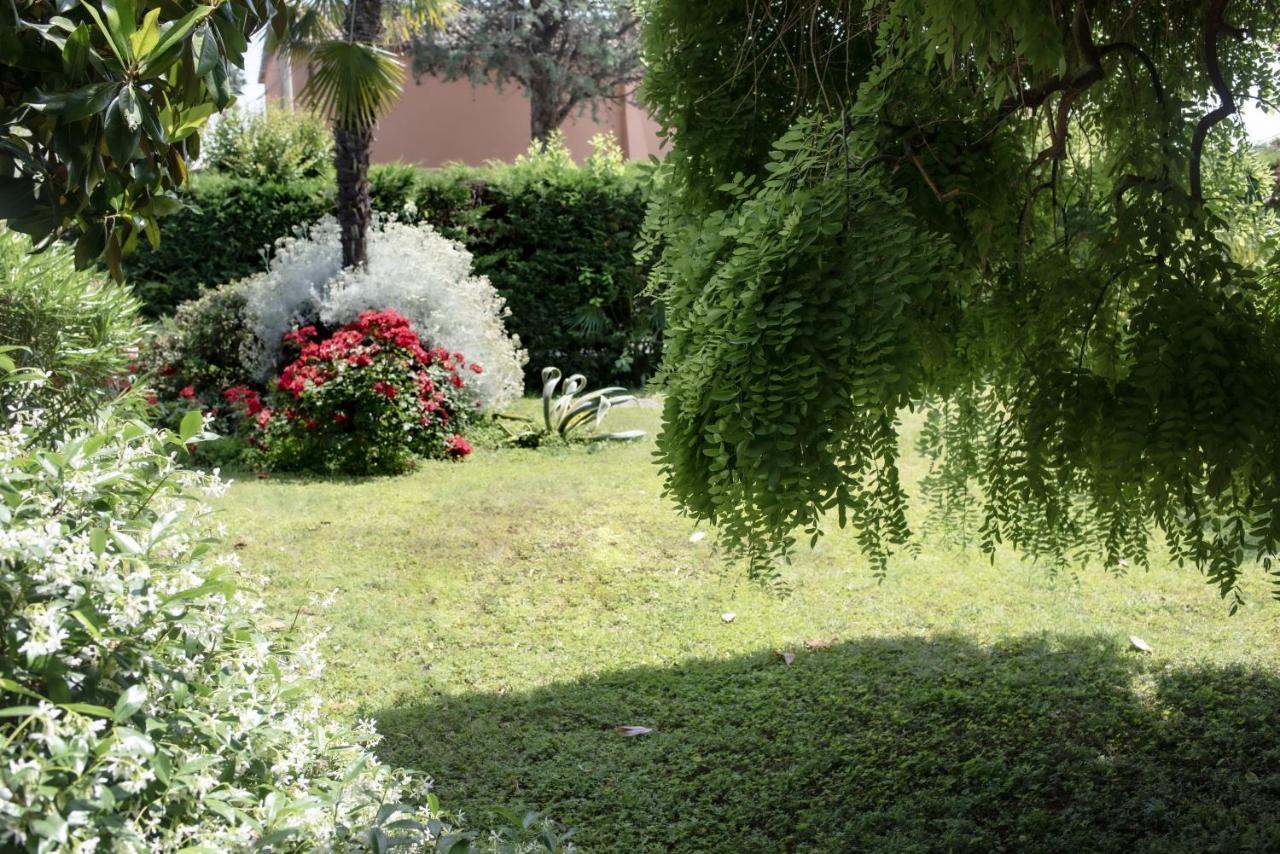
(354, 79)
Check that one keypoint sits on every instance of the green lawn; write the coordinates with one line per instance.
(500, 618)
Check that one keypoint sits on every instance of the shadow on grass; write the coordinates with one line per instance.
(888, 744)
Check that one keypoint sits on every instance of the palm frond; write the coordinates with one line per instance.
(353, 83)
(403, 18)
(298, 26)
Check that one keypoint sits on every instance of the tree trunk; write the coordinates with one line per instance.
(286, 80)
(351, 150)
(351, 162)
(543, 111)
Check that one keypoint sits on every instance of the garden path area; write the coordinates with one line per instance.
(501, 617)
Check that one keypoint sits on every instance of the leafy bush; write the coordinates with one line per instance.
(270, 145)
(205, 344)
(73, 325)
(366, 400)
(555, 239)
(190, 359)
(140, 707)
(413, 271)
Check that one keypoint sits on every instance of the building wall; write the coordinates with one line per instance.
(437, 122)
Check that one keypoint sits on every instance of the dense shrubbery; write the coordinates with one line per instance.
(357, 371)
(412, 270)
(73, 325)
(368, 399)
(556, 240)
(141, 709)
(273, 145)
(224, 234)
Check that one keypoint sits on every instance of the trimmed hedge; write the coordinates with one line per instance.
(223, 234)
(557, 241)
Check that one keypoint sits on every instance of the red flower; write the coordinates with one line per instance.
(263, 417)
(151, 398)
(300, 336)
(340, 418)
(243, 394)
(386, 390)
(167, 370)
(457, 447)
(457, 381)
(188, 392)
(476, 368)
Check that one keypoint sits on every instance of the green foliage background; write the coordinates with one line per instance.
(556, 239)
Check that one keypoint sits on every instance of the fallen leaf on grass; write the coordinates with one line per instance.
(819, 643)
(1139, 644)
(696, 536)
(240, 544)
(728, 616)
(787, 657)
(629, 731)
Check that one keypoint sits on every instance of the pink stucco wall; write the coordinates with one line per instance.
(437, 122)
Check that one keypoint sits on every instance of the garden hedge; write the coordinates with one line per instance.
(557, 240)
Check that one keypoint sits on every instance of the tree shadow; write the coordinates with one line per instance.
(881, 744)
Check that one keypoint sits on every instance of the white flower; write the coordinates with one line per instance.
(44, 632)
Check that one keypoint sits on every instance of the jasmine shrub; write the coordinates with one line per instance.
(141, 709)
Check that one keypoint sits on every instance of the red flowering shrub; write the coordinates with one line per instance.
(368, 399)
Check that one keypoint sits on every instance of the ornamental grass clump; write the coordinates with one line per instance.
(368, 399)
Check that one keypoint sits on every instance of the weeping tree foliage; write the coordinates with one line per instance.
(562, 53)
(101, 107)
(1036, 220)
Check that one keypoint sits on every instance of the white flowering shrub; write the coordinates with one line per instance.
(140, 708)
(412, 270)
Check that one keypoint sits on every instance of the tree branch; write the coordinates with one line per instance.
(1214, 25)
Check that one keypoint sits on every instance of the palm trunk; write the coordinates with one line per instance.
(351, 162)
(351, 150)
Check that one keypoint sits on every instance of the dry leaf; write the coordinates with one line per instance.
(1139, 644)
(728, 616)
(819, 643)
(276, 625)
(629, 731)
(787, 657)
(697, 536)
(240, 544)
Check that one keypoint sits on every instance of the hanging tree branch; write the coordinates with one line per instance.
(1214, 25)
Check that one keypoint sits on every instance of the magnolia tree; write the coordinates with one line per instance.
(1029, 218)
(562, 53)
(101, 107)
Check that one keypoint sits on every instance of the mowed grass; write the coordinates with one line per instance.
(500, 618)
